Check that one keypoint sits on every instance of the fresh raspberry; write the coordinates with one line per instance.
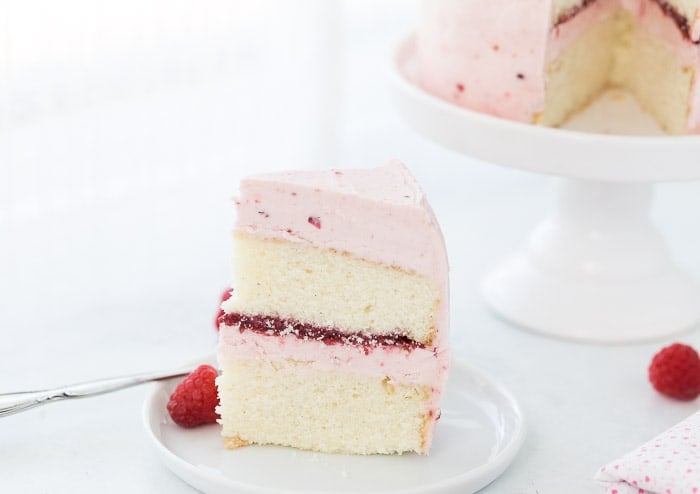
(194, 401)
(675, 372)
(224, 297)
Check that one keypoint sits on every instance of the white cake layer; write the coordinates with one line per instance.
(668, 85)
(285, 403)
(580, 72)
(402, 365)
(329, 289)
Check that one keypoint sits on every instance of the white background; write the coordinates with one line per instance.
(124, 129)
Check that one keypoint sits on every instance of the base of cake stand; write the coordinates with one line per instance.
(596, 270)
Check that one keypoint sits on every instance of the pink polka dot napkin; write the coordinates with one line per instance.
(668, 464)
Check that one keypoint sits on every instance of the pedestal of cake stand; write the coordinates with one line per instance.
(595, 269)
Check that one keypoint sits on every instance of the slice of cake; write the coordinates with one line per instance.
(335, 337)
(541, 61)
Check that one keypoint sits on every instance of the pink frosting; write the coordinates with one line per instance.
(492, 56)
(417, 366)
(652, 19)
(487, 56)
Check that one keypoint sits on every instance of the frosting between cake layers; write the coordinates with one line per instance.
(650, 16)
(417, 366)
(563, 35)
(685, 13)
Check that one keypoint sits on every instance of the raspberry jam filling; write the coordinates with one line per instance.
(275, 326)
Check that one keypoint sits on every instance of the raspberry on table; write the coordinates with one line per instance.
(195, 399)
(675, 372)
(224, 297)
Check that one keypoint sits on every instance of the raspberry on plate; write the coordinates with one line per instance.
(195, 399)
(675, 372)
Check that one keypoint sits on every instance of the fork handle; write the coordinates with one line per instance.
(11, 403)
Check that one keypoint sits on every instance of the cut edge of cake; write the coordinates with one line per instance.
(285, 224)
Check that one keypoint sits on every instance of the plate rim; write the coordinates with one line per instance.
(495, 466)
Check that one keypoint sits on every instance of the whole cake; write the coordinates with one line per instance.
(335, 336)
(540, 61)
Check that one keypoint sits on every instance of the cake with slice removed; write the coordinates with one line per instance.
(335, 337)
(541, 61)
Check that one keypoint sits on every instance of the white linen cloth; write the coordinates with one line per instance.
(668, 464)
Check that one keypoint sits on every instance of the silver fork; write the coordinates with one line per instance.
(11, 403)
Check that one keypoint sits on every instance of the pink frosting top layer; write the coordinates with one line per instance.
(380, 214)
(485, 55)
(492, 56)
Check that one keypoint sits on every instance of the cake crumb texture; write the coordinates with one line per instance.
(292, 280)
(284, 403)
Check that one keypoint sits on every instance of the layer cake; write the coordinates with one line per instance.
(540, 61)
(335, 337)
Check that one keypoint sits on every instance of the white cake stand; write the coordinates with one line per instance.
(595, 269)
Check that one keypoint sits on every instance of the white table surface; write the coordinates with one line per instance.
(126, 278)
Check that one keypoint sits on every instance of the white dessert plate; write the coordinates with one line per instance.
(479, 434)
